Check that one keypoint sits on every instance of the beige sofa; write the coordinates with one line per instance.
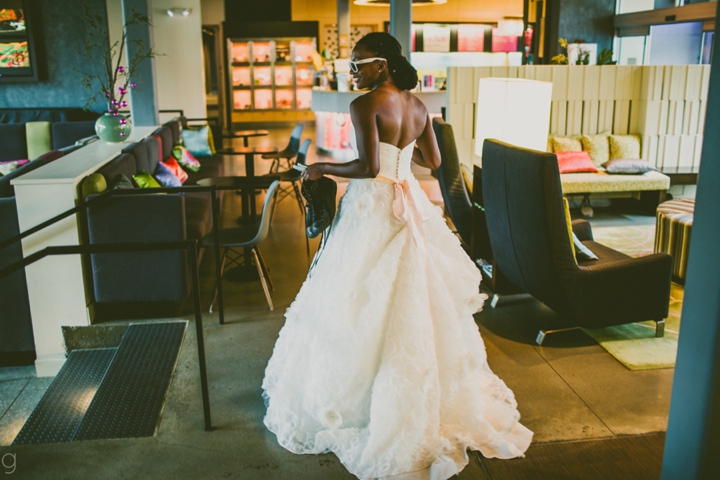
(650, 187)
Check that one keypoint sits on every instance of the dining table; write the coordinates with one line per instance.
(249, 154)
(247, 134)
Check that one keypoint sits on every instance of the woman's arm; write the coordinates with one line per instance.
(426, 152)
(368, 165)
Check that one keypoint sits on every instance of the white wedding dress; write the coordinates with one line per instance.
(380, 360)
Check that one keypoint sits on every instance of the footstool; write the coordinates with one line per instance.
(672, 233)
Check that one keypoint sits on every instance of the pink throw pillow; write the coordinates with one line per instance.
(159, 140)
(575, 162)
(7, 166)
(176, 169)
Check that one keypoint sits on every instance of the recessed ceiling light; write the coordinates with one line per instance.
(179, 12)
(386, 3)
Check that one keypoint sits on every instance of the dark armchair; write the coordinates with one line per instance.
(530, 241)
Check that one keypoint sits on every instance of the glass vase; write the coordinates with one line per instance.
(113, 129)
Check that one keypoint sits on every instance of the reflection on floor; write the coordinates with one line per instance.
(580, 402)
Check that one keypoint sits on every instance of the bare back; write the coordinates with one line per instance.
(400, 118)
(395, 117)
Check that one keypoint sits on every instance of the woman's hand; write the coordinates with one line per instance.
(313, 172)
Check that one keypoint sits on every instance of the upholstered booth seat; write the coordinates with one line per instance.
(210, 166)
(13, 143)
(146, 283)
(602, 182)
(65, 134)
(30, 139)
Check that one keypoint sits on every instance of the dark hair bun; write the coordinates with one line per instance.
(386, 46)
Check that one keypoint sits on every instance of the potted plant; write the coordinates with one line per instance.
(111, 79)
(581, 53)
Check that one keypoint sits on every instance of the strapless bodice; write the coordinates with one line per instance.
(394, 162)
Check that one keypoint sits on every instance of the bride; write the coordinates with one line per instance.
(380, 360)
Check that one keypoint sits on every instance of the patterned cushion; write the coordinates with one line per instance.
(624, 146)
(568, 224)
(603, 182)
(185, 158)
(94, 184)
(597, 147)
(467, 178)
(199, 140)
(7, 166)
(165, 176)
(582, 250)
(628, 166)
(177, 170)
(566, 144)
(121, 182)
(145, 180)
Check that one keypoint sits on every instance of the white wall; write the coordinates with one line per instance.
(115, 25)
(629, 6)
(180, 79)
(213, 12)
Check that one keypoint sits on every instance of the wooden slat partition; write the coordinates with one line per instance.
(664, 104)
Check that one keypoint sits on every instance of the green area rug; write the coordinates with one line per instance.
(634, 345)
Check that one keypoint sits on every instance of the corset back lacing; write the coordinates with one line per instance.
(404, 205)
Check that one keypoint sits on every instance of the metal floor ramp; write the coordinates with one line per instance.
(109, 393)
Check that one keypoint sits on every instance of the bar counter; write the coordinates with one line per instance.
(333, 129)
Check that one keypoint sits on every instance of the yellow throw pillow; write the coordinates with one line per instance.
(624, 146)
(568, 223)
(467, 178)
(597, 147)
(145, 180)
(93, 184)
(566, 144)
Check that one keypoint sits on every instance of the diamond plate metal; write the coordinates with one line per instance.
(132, 395)
(60, 411)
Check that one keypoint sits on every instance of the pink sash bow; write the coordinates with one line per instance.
(406, 208)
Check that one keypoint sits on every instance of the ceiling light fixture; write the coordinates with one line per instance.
(386, 3)
(179, 12)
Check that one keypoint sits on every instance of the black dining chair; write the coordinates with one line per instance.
(288, 153)
(247, 237)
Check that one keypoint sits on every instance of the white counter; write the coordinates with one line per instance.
(56, 288)
(334, 132)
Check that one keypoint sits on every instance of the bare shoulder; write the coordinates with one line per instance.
(417, 104)
(368, 102)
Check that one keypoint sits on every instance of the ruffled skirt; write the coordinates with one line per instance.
(380, 360)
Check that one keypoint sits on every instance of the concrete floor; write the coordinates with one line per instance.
(568, 390)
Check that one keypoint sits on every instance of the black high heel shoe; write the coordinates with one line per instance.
(320, 195)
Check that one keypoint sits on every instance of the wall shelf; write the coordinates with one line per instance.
(262, 78)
